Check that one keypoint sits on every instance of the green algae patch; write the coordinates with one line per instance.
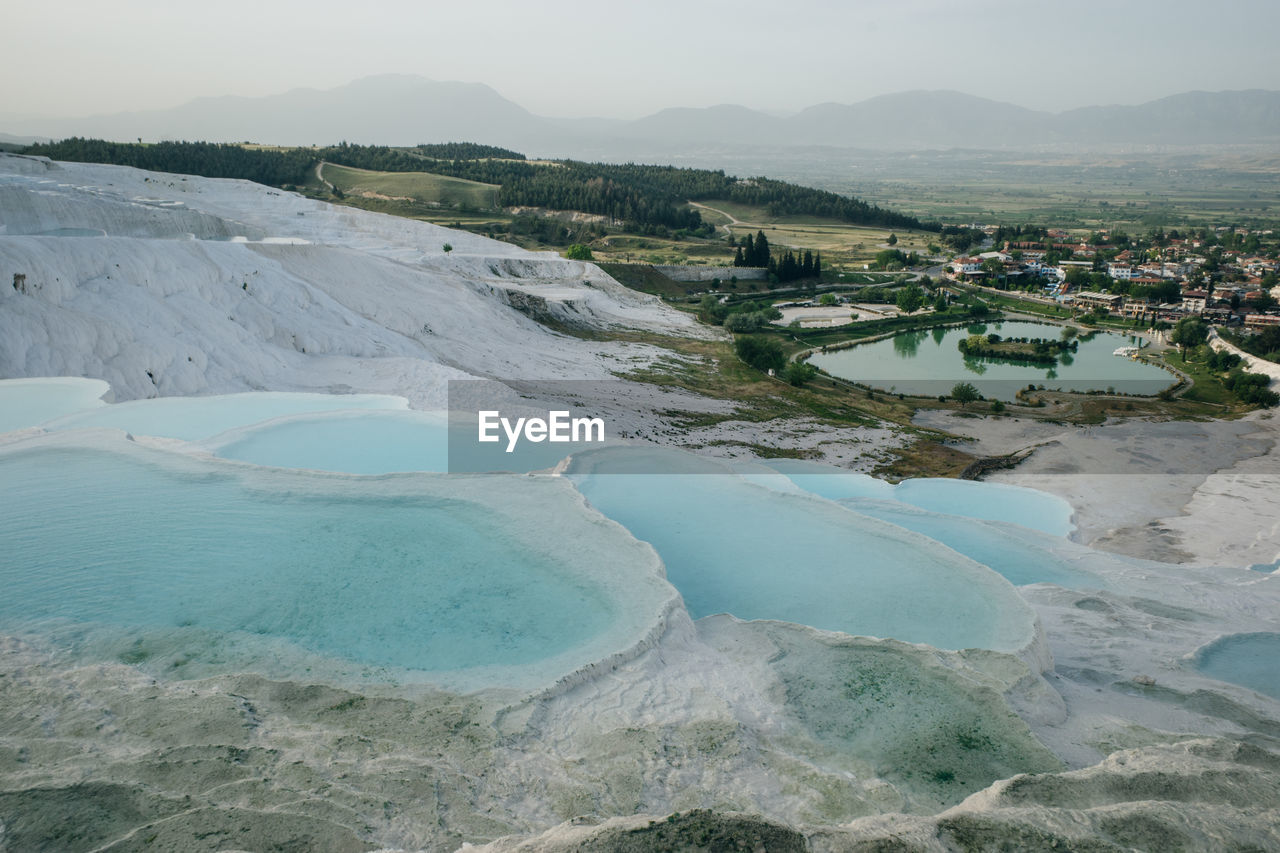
(936, 732)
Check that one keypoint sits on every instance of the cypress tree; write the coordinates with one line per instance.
(762, 250)
(788, 269)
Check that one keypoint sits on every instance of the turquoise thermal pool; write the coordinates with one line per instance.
(969, 498)
(371, 442)
(260, 561)
(196, 418)
(1014, 531)
(195, 567)
(929, 362)
(31, 402)
(732, 546)
(1249, 660)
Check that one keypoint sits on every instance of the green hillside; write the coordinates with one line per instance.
(424, 187)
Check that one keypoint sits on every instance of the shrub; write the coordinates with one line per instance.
(760, 352)
(710, 310)
(1222, 360)
(1252, 388)
(798, 373)
(744, 321)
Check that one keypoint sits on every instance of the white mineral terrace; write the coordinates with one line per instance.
(246, 607)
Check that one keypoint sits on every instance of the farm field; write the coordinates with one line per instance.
(1130, 190)
(852, 243)
(425, 187)
(1126, 188)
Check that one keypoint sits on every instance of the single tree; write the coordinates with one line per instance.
(1189, 332)
(910, 298)
(964, 392)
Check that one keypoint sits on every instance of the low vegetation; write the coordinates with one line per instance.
(1040, 351)
(1265, 344)
(760, 352)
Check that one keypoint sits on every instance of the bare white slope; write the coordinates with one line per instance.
(199, 285)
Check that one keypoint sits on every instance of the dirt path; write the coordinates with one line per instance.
(320, 176)
(733, 220)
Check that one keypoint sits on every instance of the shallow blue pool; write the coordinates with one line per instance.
(1022, 555)
(1250, 660)
(196, 418)
(373, 442)
(989, 501)
(378, 574)
(731, 546)
(30, 402)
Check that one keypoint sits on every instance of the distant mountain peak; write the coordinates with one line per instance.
(406, 109)
(390, 78)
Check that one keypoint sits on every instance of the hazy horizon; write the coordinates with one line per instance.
(573, 59)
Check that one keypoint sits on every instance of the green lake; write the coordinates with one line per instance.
(928, 362)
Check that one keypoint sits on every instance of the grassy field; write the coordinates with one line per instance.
(646, 279)
(844, 247)
(842, 242)
(1207, 388)
(435, 190)
(633, 248)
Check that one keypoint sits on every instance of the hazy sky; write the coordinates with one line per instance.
(579, 58)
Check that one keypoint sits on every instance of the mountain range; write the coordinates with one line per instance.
(406, 110)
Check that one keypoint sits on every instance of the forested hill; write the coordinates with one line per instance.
(207, 159)
(642, 197)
